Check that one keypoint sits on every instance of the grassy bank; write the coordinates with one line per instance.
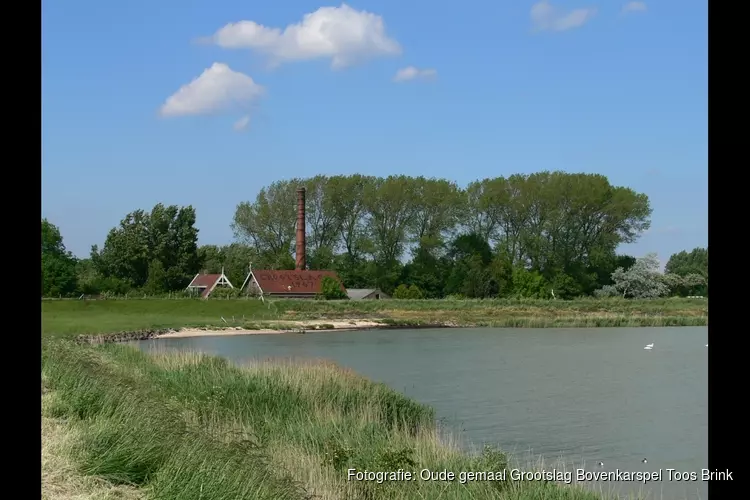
(120, 423)
(72, 317)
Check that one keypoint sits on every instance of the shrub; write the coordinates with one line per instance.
(331, 289)
(225, 293)
(606, 291)
(410, 292)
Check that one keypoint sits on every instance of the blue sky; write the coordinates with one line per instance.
(617, 88)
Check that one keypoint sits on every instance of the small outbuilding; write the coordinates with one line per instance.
(204, 284)
(366, 294)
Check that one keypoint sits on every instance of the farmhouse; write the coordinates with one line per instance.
(204, 284)
(366, 294)
(297, 284)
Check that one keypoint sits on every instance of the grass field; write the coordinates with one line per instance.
(119, 423)
(72, 317)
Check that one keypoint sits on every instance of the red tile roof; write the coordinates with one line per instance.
(299, 281)
(206, 280)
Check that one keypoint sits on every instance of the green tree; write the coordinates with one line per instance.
(415, 292)
(470, 256)
(684, 263)
(331, 289)
(529, 284)
(688, 285)
(426, 272)
(401, 292)
(601, 269)
(323, 223)
(407, 292)
(480, 214)
(157, 279)
(573, 217)
(565, 227)
(526, 235)
(269, 223)
(356, 272)
(235, 259)
(89, 281)
(501, 270)
(391, 205)
(347, 194)
(167, 234)
(437, 208)
(477, 279)
(211, 258)
(565, 287)
(58, 264)
(556, 222)
(173, 240)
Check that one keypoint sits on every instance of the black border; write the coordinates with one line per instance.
(724, 413)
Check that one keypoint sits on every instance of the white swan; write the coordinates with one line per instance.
(649, 346)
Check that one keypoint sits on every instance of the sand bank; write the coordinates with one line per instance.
(275, 328)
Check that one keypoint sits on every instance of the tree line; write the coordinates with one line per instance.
(539, 235)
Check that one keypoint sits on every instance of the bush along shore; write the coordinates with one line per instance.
(120, 422)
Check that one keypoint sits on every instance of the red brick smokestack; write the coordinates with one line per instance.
(301, 258)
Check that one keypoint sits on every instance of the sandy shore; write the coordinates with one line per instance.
(281, 327)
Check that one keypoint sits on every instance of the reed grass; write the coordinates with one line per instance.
(189, 426)
(71, 317)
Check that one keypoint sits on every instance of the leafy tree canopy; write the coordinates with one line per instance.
(534, 235)
(58, 265)
(693, 262)
(166, 235)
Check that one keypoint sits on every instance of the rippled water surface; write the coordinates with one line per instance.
(588, 395)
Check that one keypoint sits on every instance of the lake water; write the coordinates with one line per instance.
(586, 395)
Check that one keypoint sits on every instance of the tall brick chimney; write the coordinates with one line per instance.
(301, 258)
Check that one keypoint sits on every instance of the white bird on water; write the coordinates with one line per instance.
(649, 346)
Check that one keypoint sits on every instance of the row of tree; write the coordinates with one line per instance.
(525, 235)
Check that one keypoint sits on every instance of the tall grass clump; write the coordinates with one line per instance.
(190, 426)
(133, 434)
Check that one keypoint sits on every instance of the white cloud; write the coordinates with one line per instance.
(634, 7)
(413, 73)
(342, 34)
(218, 88)
(546, 17)
(242, 123)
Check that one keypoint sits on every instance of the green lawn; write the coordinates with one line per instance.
(72, 317)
